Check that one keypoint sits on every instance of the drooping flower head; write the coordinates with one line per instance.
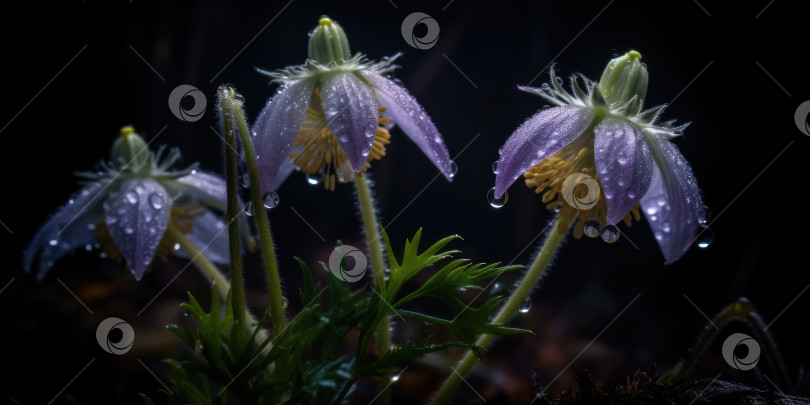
(598, 156)
(126, 208)
(331, 115)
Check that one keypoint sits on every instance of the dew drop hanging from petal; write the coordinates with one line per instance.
(705, 237)
(592, 228)
(314, 179)
(453, 169)
(610, 233)
(497, 202)
(271, 200)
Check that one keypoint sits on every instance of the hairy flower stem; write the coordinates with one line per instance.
(231, 106)
(234, 210)
(377, 267)
(211, 272)
(507, 312)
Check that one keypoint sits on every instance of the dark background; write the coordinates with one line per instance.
(741, 120)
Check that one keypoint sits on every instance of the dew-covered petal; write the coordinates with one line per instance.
(672, 205)
(277, 127)
(408, 114)
(351, 112)
(210, 234)
(137, 215)
(624, 163)
(287, 167)
(542, 135)
(210, 190)
(71, 226)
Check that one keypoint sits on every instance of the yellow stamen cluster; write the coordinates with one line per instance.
(547, 177)
(317, 151)
(182, 219)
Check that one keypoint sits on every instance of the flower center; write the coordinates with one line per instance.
(182, 219)
(564, 180)
(317, 151)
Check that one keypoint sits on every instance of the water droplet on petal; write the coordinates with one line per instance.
(176, 246)
(271, 200)
(453, 169)
(707, 216)
(156, 199)
(131, 197)
(610, 233)
(545, 87)
(129, 230)
(53, 242)
(497, 202)
(592, 228)
(526, 306)
(705, 238)
(495, 167)
(249, 209)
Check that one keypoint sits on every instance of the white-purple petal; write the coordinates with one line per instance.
(350, 110)
(408, 114)
(210, 234)
(206, 188)
(210, 190)
(541, 136)
(137, 215)
(287, 167)
(624, 163)
(672, 205)
(71, 226)
(277, 127)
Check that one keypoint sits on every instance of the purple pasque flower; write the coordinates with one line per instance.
(326, 121)
(126, 208)
(601, 133)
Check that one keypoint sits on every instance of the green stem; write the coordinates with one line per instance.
(507, 312)
(377, 267)
(234, 210)
(210, 271)
(259, 213)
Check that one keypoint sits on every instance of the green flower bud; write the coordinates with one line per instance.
(328, 43)
(623, 78)
(130, 150)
